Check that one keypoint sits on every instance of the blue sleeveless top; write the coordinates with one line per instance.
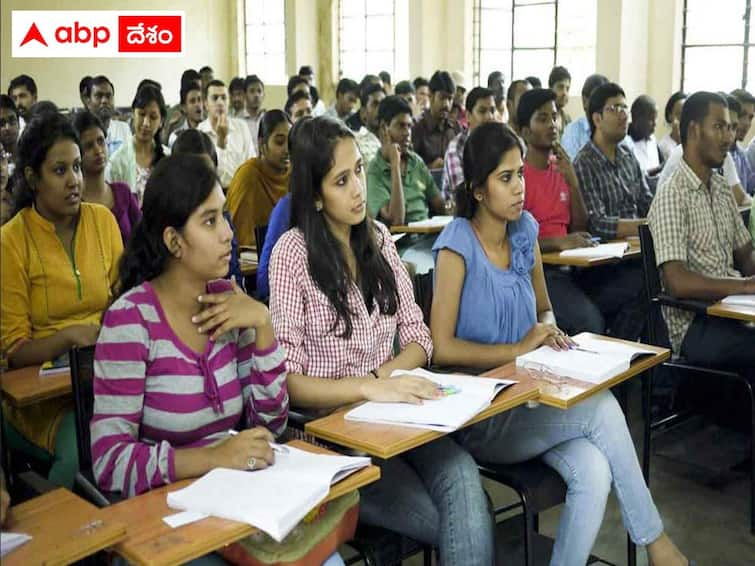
(497, 305)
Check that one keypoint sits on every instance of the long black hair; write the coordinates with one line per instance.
(483, 151)
(175, 188)
(312, 143)
(145, 94)
(40, 134)
(269, 122)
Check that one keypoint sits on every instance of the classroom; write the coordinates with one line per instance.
(377, 282)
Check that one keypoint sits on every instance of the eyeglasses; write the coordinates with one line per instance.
(541, 372)
(617, 109)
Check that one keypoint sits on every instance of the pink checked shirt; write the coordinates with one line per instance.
(303, 317)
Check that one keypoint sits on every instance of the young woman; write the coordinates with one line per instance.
(339, 296)
(59, 263)
(116, 196)
(261, 181)
(491, 305)
(133, 161)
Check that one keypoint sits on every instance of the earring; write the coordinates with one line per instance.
(318, 206)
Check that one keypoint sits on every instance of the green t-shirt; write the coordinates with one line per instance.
(419, 187)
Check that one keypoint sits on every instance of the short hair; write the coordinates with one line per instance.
(293, 82)
(404, 87)
(441, 81)
(476, 94)
(213, 82)
(390, 107)
(673, 99)
(306, 70)
(495, 75)
(190, 75)
(237, 83)
(7, 103)
(642, 105)
(598, 100)
(558, 73)
(85, 86)
(696, 108)
(591, 83)
(367, 91)
(743, 96)
(205, 69)
(194, 142)
(23, 81)
(149, 82)
(511, 92)
(733, 103)
(530, 102)
(251, 80)
(534, 81)
(42, 108)
(186, 88)
(347, 85)
(83, 121)
(420, 82)
(385, 76)
(101, 80)
(294, 98)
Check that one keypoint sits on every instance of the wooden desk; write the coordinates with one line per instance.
(25, 386)
(406, 229)
(64, 528)
(150, 541)
(386, 441)
(555, 258)
(737, 312)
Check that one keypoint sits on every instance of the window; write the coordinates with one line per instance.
(265, 40)
(373, 36)
(716, 45)
(528, 37)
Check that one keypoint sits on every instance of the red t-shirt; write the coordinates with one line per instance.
(548, 199)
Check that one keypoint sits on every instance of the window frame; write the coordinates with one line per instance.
(246, 25)
(366, 18)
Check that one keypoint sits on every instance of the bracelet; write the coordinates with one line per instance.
(374, 374)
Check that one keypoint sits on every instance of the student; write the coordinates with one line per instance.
(672, 113)
(85, 88)
(307, 73)
(422, 92)
(231, 136)
(23, 91)
(261, 181)
(339, 296)
(559, 81)
(458, 112)
(496, 84)
(6, 189)
(178, 114)
(554, 199)
(617, 198)
(191, 110)
(491, 305)
(116, 196)
(237, 106)
(434, 130)
(405, 90)
(102, 103)
(480, 109)
(534, 81)
(255, 98)
(298, 106)
(746, 106)
(385, 77)
(347, 96)
(516, 89)
(737, 155)
(59, 264)
(367, 136)
(206, 75)
(644, 114)
(9, 125)
(701, 244)
(134, 160)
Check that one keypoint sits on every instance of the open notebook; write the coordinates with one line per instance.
(594, 360)
(274, 499)
(464, 397)
(740, 300)
(431, 222)
(601, 250)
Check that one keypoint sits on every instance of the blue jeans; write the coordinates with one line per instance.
(433, 494)
(591, 449)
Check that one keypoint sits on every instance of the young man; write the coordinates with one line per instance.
(701, 244)
(617, 198)
(367, 136)
(516, 89)
(480, 109)
(238, 98)
(308, 74)
(9, 130)
(176, 115)
(254, 90)
(206, 75)
(405, 90)
(644, 114)
(736, 153)
(496, 84)
(559, 81)
(298, 105)
(385, 76)
(191, 109)
(85, 89)
(422, 90)
(458, 111)
(102, 103)
(745, 170)
(432, 133)
(231, 136)
(553, 197)
(347, 95)
(23, 91)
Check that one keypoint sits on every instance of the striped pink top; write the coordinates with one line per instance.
(152, 393)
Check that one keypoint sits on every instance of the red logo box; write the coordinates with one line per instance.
(149, 34)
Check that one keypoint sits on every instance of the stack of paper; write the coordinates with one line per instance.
(274, 499)
(432, 222)
(464, 397)
(740, 300)
(601, 250)
(593, 360)
(11, 541)
(248, 257)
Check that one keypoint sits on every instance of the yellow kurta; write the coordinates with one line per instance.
(43, 291)
(253, 193)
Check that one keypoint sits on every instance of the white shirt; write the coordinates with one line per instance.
(729, 169)
(667, 145)
(319, 109)
(238, 147)
(117, 133)
(646, 152)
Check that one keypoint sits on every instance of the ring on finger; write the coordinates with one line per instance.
(251, 463)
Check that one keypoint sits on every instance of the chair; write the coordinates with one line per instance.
(82, 384)
(259, 237)
(658, 334)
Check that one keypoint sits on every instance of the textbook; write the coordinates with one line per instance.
(463, 397)
(616, 249)
(274, 499)
(59, 365)
(739, 300)
(431, 222)
(593, 360)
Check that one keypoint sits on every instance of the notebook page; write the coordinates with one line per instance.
(740, 300)
(602, 250)
(11, 541)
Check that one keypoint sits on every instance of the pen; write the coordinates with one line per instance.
(279, 448)
(586, 350)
